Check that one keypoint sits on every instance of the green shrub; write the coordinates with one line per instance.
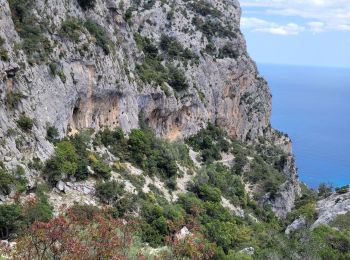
(87, 4)
(152, 71)
(64, 163)
(101, 169)
(341, 222)
(127, 204)
(177, 79)
(53, 68)
(128, 15)
(211, 28)
(204, 8)
(35, 45)
(227, 234)
(13, 98)
(265, 175)
(80, 143)
(109, 191)
(207, 193)
(25, 123)
(4, 54)
(2, 41)
(343, 189)
(109, 137)
(71, 28)
(190, 203)
(174, 49)
(324, 190)
(99, 33)
(210, 142)
(230, 185)
(6, 180)
(40, 211)
(228, 51)
(52, 134)
(10, 215)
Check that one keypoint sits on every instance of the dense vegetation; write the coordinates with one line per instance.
(128, 221)
(152, 69)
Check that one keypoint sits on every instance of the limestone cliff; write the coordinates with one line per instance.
(73, 68)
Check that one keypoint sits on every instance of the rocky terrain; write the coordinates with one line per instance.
(144, 108)
(71, 79)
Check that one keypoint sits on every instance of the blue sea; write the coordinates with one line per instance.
(312, 105)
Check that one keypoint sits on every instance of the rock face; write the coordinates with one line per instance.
(329, 208)
(296, 225)
(80, 83)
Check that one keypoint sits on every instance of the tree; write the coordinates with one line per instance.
(324, 190)
(109, 191)
(66, 237)
(177, 79)
(10, 214)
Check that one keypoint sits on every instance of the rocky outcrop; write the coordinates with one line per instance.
(80, 83)
(331, 207)
(104, 90)
(296, 225)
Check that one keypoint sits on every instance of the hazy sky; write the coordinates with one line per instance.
(303, 32)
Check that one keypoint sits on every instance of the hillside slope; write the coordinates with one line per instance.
(181, 64)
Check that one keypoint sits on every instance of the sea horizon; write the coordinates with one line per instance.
(310, 105)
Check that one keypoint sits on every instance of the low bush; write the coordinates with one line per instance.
(152, 69)
(99, 33)
(177, 79)
(87, 4)
(343, 189)
(109, 191)
(37, 210)
(13, 99)
(71, 28)
(25, 123)
(324, 190)
(34, 44)
(204, 8)
(128, 15)
(101, 169)
(212, 28)
(52, 134)
(10, 215)
(174, 49)
(210, 142)
(63, 164)
(6, 181)
(228, 51)
(4, 54)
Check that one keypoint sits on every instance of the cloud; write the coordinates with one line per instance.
(316, 27)
(321, 15)
(260, 25)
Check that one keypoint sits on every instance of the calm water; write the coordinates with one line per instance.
(313, 106)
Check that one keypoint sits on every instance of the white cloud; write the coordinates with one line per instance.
(260, 25)
(322, 15)
(316, 27)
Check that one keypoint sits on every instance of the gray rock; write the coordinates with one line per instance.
(331, 207)
(183, 233)
(248, 251)
(296, 225)
(7, 158)
(61, 186)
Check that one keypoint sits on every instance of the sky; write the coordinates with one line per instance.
(298, 32)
